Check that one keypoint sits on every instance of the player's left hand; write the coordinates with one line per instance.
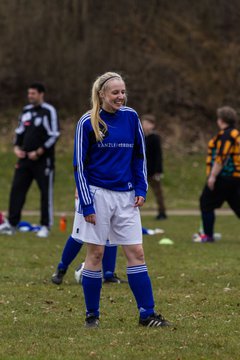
(139, 201)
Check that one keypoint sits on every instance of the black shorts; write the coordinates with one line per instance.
(226, 189)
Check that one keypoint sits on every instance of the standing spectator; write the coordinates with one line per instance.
(36, 135)
(154, 162)
(223, 172)
(110, 175)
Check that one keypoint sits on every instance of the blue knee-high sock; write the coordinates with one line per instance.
(140, 284)
(70, 251)
(208, 219)
(109, 261)
(92, 284)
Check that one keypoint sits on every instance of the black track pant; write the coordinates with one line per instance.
(225, 189)
(25, 172)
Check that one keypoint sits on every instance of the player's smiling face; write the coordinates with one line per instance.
(114, 95)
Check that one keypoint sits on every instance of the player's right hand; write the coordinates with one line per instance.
(91, 219)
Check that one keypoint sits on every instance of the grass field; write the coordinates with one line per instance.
(195, 285)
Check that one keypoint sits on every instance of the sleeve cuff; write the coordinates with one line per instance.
(139, 192)
(88, 210)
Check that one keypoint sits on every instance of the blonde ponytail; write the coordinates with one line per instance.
(96, 121)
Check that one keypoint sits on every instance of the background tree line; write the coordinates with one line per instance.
(180, 59)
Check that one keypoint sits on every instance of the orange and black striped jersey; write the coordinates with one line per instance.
(224, 148)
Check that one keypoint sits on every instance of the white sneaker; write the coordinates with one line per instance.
(43, 232)
(155, 231)
(6, 228)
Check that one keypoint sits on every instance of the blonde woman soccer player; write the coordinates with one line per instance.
(110, 175)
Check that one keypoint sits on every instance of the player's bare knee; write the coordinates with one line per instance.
(139, 255)
(94, 256)
(136, 254)
(97, 256)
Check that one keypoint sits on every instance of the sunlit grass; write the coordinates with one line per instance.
(195, 285)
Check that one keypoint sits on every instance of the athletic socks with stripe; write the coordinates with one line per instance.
(140, 284)
(92, 284)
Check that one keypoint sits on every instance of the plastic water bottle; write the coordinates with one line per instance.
(63, 223)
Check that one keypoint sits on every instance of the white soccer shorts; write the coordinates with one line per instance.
(117, 220)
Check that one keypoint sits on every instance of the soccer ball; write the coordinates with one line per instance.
(78, 273)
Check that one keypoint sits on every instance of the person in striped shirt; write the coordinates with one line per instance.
(223, 172)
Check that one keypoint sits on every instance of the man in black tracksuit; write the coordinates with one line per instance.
(36, 135)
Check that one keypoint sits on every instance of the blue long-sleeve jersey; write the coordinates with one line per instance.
(116, 163)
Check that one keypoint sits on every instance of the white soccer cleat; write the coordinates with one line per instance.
(78, 273)
(6, 228)
(43, 232)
